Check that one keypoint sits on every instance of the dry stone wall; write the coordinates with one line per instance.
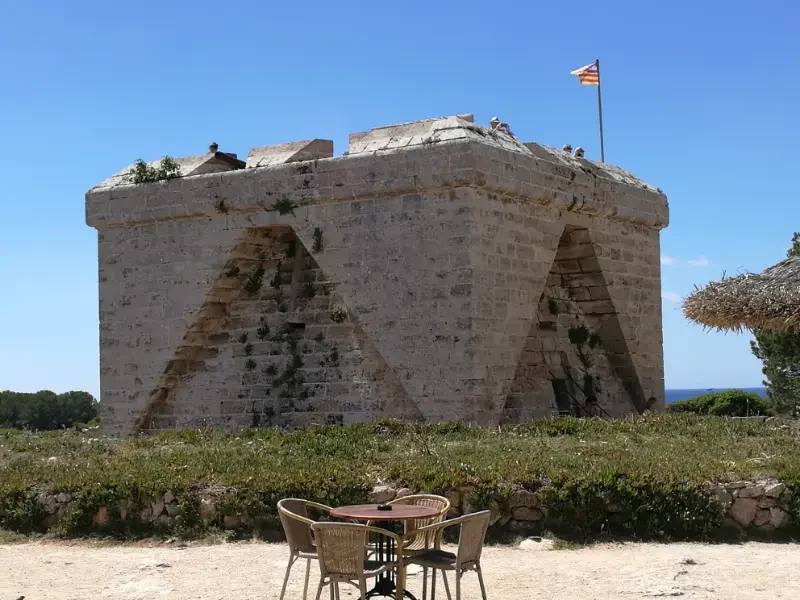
(411, 278)
(756, 506)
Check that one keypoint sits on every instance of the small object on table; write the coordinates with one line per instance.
(384, 507)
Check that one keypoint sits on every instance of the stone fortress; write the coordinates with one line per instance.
(438, 270)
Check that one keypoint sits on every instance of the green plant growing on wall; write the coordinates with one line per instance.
(141, 172)
(317, 235)
(578, 335)
(232, 272)
(254, 281)
(276, 281)
(333, 357)
(595, 341)
(552, 306)
(250, 364)
(262, 332)
(338, 314)
(243, 338)
(220, 205)
(291, 250)
(248, 349)
(283, 206)
(308, 290)
(271, 370)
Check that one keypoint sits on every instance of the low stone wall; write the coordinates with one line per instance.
(761, 506)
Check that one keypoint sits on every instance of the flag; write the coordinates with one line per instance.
(588, 75)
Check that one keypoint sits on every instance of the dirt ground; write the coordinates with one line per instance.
(244, 571)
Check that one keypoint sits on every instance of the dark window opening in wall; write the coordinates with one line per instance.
(563, 401)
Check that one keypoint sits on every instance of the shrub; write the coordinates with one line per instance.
(141, 172)
(730, 403)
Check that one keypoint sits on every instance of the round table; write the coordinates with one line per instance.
(384, 584)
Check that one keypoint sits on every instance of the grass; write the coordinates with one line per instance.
(672, 448)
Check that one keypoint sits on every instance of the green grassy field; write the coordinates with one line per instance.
(665, 447)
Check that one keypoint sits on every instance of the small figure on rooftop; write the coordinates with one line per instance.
(578, 152)
(496, 125)
(213, 147)
(567, 148)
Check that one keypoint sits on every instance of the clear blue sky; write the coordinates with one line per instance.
(700, 99)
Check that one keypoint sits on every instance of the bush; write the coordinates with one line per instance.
(46, 410)
(730, 403)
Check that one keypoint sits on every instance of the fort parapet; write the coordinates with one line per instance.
(436, 271)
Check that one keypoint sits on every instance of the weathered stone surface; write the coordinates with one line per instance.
(778, 518)
(420, 267)
(762, 517)
(64, 497)
(267, 156)
(766, 502)
(455, 503)
(524, 498)
(774, 490)
(381, 494)
(525, 513)
(754, 491)
(403, 492)
(156, 508)
(744, 510)
(735, 485)
(168, 497)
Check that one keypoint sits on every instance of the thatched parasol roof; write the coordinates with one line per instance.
(770, 299)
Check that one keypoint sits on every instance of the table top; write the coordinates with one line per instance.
(370, 512)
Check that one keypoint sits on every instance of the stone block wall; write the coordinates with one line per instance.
(412, 278)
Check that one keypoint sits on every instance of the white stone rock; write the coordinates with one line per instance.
(156, 509)
(735, 485)
(775, 490)
(536, 544)
(402, 493)
(64, 497)
(381, 494)
(168, 497)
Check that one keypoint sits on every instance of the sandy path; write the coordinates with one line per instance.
(244, 571)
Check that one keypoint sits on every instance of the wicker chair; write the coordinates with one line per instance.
(297, 527)
(413, 541)
(468, 557)
(342, 549)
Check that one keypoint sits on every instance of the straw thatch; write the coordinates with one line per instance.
(770, 299)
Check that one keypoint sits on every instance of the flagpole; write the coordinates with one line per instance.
(600, 112)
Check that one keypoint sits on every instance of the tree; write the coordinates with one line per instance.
(46, 410)
(780, 353)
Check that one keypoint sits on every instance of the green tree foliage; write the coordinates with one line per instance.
(46, 410)
(780, 354)
(730, 403)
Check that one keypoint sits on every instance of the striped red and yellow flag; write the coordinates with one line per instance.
(588, 75)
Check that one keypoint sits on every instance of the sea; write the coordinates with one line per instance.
(671, 396)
